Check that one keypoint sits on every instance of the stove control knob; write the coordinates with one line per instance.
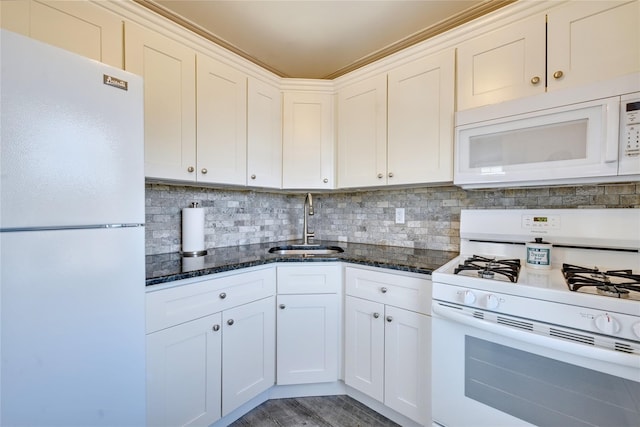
(492, 302)
(607, 324)
(468, 297)
(636, 329)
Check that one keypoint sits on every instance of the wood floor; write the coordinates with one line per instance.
(324, 411)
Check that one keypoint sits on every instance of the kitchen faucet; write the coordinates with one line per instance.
(308, 210)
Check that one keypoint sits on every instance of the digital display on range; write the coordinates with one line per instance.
(633, 106)
(540, 219)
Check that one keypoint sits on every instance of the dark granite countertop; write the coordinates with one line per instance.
(165, 268)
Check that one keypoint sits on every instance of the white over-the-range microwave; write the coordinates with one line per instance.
(581, 135)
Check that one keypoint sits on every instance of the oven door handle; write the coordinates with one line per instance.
(582, 350)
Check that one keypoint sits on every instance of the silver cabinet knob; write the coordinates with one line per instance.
(190, 169)
(535, 80)
(282, 306)
(230, 322)
(380, 176)
(389, 319)
(253, 176)
(383, 290)
(390, 174)
(376, 315)
(558, 74)
(325, 180)
(216, 328)
(223, 295)
(204, 171)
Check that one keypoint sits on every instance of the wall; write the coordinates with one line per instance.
(431, 214)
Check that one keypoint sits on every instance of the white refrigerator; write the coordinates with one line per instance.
(72, 274)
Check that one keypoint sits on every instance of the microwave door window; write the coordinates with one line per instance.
(556, 142)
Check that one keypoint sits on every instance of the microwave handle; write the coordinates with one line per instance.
(611, 125)
(582, 350)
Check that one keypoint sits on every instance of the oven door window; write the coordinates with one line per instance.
(544, 391)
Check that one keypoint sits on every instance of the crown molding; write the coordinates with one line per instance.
(456, 20)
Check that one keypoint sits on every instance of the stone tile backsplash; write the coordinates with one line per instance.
(432, 215)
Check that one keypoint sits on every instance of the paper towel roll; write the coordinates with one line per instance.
(193, 231)
(192, 263)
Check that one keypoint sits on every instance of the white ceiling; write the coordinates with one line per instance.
(319, 39)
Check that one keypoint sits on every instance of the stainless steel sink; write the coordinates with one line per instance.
(306, 250)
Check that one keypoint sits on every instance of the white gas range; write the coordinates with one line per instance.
(558, 344)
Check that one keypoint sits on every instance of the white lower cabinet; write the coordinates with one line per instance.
(248, 352)
(388, 347)
(184, 374)
(308, 318)
(210, 347)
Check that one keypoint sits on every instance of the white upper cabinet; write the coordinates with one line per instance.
(308, 141)
(504, 64)
(80, 27)
(168, 69)
(195, 116)
(221, 135)
(585, 42)
(592, 41)
(397, 128)
(420, 120)
(362, 133)
(264, 135)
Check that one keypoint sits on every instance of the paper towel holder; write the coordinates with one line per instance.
(194, 253)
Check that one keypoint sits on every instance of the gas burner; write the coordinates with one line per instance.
(612, 291)
(611, 283)
(487, 268)
(486, 273)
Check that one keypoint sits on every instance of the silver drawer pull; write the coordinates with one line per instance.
(223, 295)
(230, 322)
(376, 315)
(216, 328)
(383, 290)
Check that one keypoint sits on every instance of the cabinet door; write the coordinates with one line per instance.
(407, 363)
(421, 108)
(504, 64)
(80, 27)
(364, 346)
(184, 374)
(362, 133)
(168, 69)
(221, 123)
(264, 135)
(248, 346)
(307, 338)
(308, 141)
(592, 41)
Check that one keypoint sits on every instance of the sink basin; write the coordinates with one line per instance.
(306, 250)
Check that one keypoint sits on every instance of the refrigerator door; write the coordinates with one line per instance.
(72, 146)
(72, 327)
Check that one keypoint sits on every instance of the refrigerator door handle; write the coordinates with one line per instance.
(69, 227)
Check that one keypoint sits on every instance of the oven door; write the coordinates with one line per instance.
(488, 374)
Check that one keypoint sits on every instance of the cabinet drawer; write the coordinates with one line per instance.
(411, 293)
(309, 279)
(181, 304)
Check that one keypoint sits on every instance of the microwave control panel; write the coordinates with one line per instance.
(631, 128)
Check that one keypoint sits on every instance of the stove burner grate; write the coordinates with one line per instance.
(487, 268)
(612, 283)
